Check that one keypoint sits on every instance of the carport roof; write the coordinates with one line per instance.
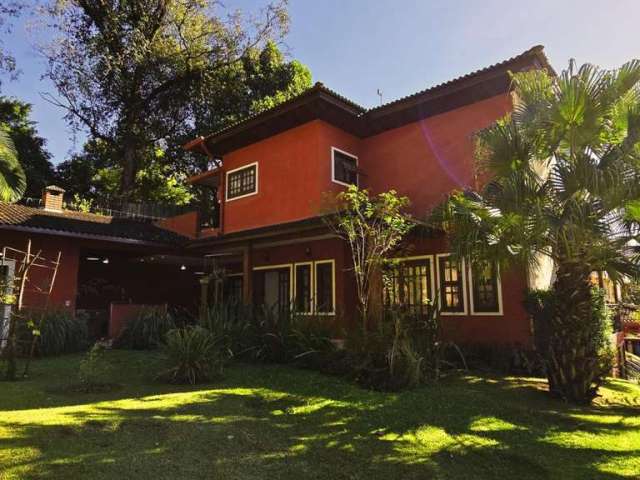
(84, 225)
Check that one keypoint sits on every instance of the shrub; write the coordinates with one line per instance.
(94, 370)
(194, 354)
(403, 351)
(263, 334)
(147, 330)
(58, 332)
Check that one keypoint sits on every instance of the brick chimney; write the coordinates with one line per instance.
(52, 198)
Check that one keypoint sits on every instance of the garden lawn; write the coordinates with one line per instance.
(279, 422)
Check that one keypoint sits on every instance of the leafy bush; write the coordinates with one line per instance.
(58, 332)
(94, 370)
(403, 351)
(194, 354)
(147, 330)
(259, 333)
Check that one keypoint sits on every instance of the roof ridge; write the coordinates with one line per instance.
(535, 50)
(319, 87)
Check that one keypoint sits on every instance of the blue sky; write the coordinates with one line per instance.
(358, 46)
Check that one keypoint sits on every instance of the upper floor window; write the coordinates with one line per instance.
(452, 285)
(242, 182)
(485, 288)
(344, 167)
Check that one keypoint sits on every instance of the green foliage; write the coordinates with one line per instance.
(94, 370)
(564, 180)
(161, 57)
(194, 354)
(147, 330)
(259, 333)
(30, 147)
(13, 182)
(373, 227)
(59, 331)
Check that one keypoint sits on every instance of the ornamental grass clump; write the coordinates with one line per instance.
(194, 355)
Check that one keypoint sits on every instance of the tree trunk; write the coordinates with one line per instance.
(574, 366)
(129, 167)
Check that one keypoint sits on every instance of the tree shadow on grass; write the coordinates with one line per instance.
(274, 422)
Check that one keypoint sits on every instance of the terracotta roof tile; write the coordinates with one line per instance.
(19, 216)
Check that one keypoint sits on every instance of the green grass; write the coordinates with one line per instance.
(278, 422)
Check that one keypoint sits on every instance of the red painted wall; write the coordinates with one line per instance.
(185, 224)
(294, 170)
(512, 327)
(121, 313)
(65, 287)
(423, 160)
(330, 249)
(426, 160)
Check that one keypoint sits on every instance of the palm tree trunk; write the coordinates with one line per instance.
(573, 362)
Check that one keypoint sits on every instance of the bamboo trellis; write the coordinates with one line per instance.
(25, 263)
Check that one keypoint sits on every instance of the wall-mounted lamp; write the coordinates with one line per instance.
(183, 267)
(105, 261)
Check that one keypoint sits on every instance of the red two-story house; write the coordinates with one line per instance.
(272, 172)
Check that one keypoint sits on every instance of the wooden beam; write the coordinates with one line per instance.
(247, 271)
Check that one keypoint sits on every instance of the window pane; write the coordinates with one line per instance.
(345, 168)
(408, 284)
(451, 288)
(242, 182)
(485, 288)
(324, 287)
(303, 288)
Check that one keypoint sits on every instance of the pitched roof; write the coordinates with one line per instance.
(535, 52)
(86, 225)
(324, 103)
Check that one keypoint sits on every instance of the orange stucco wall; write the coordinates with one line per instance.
(425, 160)
(185, 224)
(294, 171)
(65, 287)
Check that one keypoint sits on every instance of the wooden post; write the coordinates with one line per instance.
(247, 272)
(204, 298)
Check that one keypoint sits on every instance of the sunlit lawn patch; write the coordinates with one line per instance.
(278, 422)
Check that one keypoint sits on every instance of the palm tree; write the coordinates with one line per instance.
(13, 181)
(563, 174)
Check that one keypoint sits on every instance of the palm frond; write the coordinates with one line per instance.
(13, 181)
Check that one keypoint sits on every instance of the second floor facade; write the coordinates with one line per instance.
(279, 166)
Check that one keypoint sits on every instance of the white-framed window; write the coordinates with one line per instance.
(309, 286)
(452, 285)
(325, 287)
(486, 289)
(410, 282)
(242, 182)
(273, 286)
(344, 167)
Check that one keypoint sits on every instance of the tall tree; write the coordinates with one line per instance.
(260, 80)
(125, 71)
(565, 183)
(30, 147)
(12, 179)
(9, 9)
